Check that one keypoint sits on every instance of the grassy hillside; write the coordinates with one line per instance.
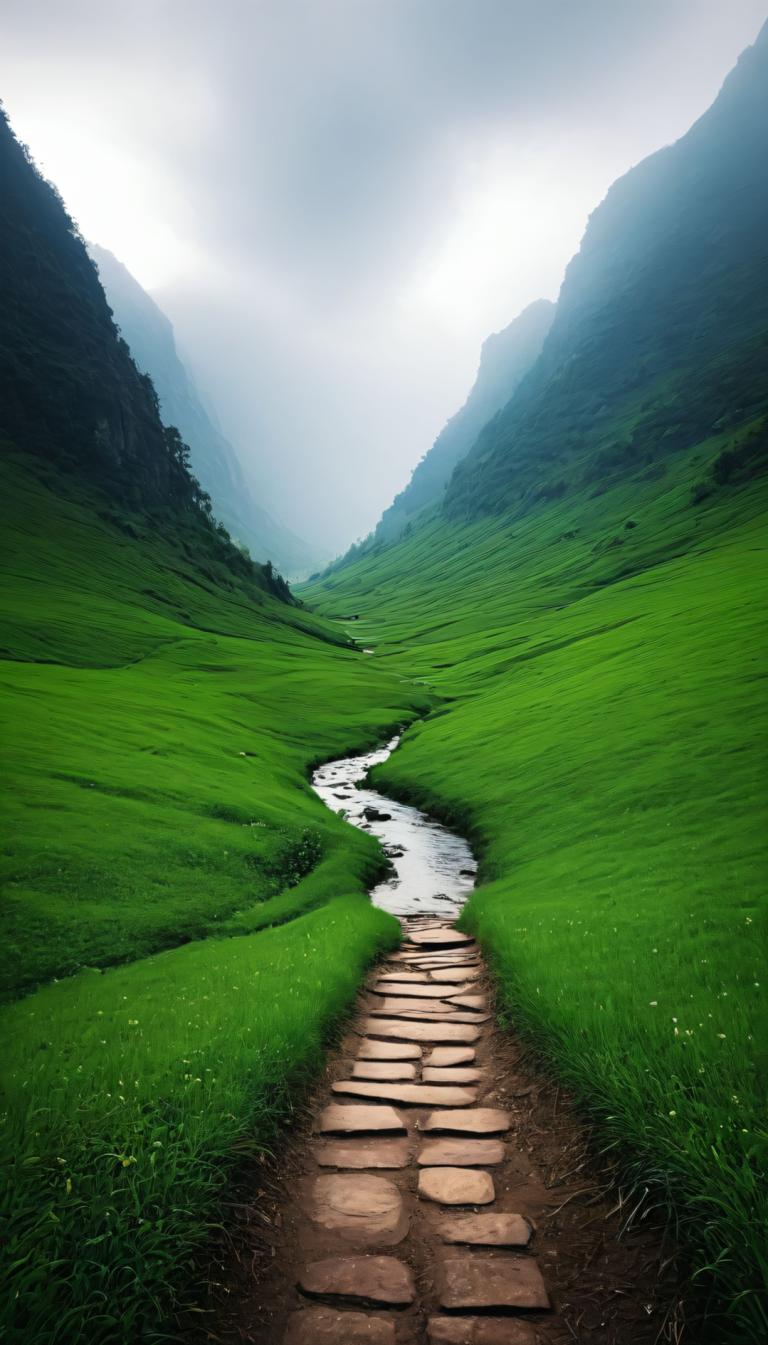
(602, 738)
(159, 723)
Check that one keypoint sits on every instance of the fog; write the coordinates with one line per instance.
(335, 201)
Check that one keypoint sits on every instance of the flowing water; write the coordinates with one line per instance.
(433, 869)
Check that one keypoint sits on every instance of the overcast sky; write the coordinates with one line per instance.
(336, 201)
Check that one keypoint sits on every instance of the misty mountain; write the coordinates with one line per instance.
(660, 339)
(214, 461)
(505, 359)
(73, 405)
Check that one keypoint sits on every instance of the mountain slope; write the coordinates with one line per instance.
(150, 337)
(589, 605)
(660, 337)
(505, 359)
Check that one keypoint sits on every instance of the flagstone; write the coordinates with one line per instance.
(452, 1074)
(389, 1028)
(480, 1331)
(469, 1001)
(378, 1280)
(411, 1094)
(476, 1281)
(478, 1121)
(460, 1153)
(449, 1055)
(456, 1186)
(416, 989)
(363, 1153)
(359, 1207)
(486, 1230)
(338, 1118)
(391, 1071)
(388, 1050)
(326, 1326)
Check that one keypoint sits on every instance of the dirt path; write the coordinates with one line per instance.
(439, 1191)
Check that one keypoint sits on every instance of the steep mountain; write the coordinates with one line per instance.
(150, 336)
(660, 339)
(505, 359)
(72, 402)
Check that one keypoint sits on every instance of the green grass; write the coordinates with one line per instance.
(160, 720)
(602, 740)
(130, 1095)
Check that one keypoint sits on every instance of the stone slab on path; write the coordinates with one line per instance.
(359, 1208)
(391, 1071)
(409, 1094)
(478, 1121)
(486, 1230)
(389, 1028)
(381, 1281)
(451, 1074)
(438, 938)
(341, 1119)
(415, 1004)
(480, 1331)
(469, 1001)
(443, 1056)
(326, 1326)
(454, 975)
(435, 1014)
(388, 1050)
(456, 1186)
(476, 1281)
(416, 989)
(460, 1153)
(363, 1154)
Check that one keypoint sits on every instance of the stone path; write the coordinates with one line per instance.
(408, 1141)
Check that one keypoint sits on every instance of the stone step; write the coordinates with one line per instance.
(456, 1186)
(380, 1281)
(435, 1013)
(478, 1121)
(453, 976)
(469, 1001)
(486, 1230)
(439, 938)
(388, 1070)
(477, 1281)
(415, 989)
(409, 1094)
(363, 1153)
(388, 1050)
(340, 1119)
(451, 1074)
(449, 1055)
(359, 1207)
(326, 1326)
(480, 1331)
(439, 1033)
(460, 1153)
(413, 1004)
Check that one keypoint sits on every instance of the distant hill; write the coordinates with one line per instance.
(661, 333)
(150, 337)
(505, 359)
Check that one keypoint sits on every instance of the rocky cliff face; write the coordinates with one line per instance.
(505, 359)
(150, 336)
(659, 339)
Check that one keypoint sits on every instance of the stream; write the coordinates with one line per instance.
(433, 869)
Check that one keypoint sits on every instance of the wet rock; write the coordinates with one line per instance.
(360, 1208)
(456, 1186)
(382, 1281)
(473, 1281)
(480, 1331)
(363, 1154)
(388, 1071)
(460, 1074)
(340, 1119)
(326, 1326)
(478, 1121)
(487, 1230)
(388, 1050)
(461, 1153)
(450, 1055)
(372, 814)
(410, 1094)
(387, 1028)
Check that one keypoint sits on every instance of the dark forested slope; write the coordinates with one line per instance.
(214, 461)
(660, 339)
